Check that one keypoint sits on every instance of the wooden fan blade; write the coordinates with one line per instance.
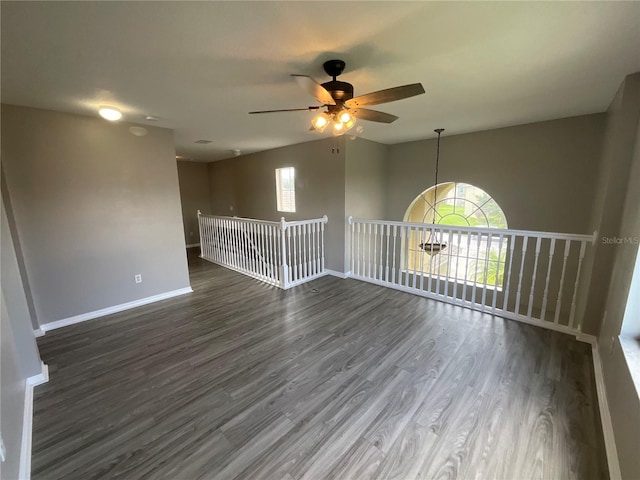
(287, 110)
(372, 115)
(314, 89)
(384, 96)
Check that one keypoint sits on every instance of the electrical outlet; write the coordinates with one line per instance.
(138, 278)
(3, 451)
(191, 234)
(231, 208)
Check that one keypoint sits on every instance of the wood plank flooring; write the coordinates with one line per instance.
(334, 379)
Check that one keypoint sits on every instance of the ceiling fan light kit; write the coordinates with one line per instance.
(342, 108)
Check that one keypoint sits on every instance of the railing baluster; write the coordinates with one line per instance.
(318, 251)
(314, 265)
(436, 259)
(533, 278)
(518, 292)
(294, 263)
(407, 250)
(456, 279)
(262, 252)
(305, 251)
(369, 252)
(375, 256)
(423, 234)
(567, 251)
(475, 269)
(495, 284)
(487, 257)
(402, 258)
(466, 269)
(214, 245)
(380, 265)
(415, 257)
(386, 262)
(447, 256)
(583, 246)
(358, 242)
(322, 227)
(545, 294)
(300, 250)
(393, 270)
(505, 305)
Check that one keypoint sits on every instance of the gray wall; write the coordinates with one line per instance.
(541, 174)
(19, 357)
(194, 196)
(365, 183)
(93, 206)
(616, 214)
(16, 303)
(247, 183)
(12, 383)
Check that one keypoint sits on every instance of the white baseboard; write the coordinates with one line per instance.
(335, 273)
(191, 245)
(605, 416)
(109, 310)
(24, 472)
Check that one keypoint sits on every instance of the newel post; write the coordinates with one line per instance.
(284, 268)
(200, 233)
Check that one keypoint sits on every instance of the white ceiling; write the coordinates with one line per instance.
(200, 67)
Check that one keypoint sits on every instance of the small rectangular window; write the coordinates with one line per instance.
(286, 189)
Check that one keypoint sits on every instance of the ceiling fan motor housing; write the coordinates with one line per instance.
(340, 91)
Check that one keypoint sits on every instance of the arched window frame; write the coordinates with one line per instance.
(479, 268)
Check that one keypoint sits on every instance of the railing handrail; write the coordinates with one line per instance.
(242, 219)
(323, 219)
(493, 231)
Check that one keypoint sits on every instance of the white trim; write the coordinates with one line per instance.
(605, 416)
(24, 472)
(38, 332)
(335, 273)
(109, 310)
(192, 245)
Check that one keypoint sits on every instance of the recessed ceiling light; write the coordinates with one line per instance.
(110, 113)
(203, 142)
(151, 118)
(236, 152)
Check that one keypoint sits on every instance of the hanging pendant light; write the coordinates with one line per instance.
(434, 246)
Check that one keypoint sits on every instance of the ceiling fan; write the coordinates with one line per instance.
(342, 108)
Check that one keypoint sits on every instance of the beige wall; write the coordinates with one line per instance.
(194, 196)
(541, 174)
(93, 206)
(248, 184)
(617, 214)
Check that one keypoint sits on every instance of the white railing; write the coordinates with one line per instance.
(523, 275)
(284, 254)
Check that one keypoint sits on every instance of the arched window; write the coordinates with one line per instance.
(469, 257)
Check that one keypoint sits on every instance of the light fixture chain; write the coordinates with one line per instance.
(435, 191)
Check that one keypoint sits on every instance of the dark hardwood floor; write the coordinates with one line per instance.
(333, 379)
